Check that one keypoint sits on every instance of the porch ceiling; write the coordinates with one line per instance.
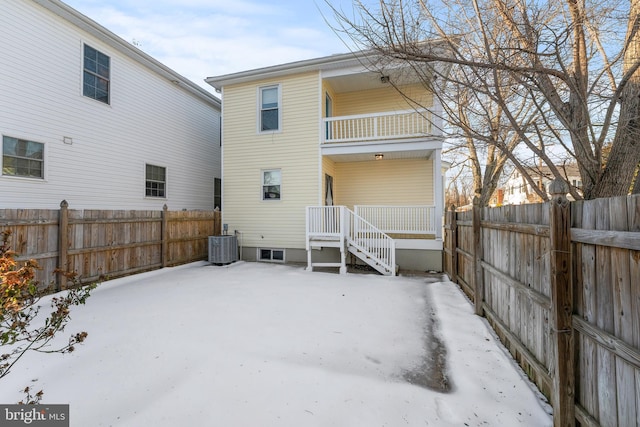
(355, 82)
(365, 80)
(366, 157)
(391, 150)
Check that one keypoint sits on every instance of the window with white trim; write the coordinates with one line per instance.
(22, 158)
(269, 103)
(155, 181)
(271, 184)
(272, 255)
(96, 75)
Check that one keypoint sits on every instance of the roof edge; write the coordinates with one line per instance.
(315, 64)
(87, 24)
(360, 57)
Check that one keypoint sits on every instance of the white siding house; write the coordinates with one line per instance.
(518, 190)
(87, 117)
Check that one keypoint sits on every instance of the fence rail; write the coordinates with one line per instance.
(560, 284)
(109, 243)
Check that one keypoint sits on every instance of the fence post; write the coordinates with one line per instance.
(165, 235)
(477, 257)
(563, 392)
(453, 247)
(63, 246)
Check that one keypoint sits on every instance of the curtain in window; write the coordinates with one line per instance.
(329, 190)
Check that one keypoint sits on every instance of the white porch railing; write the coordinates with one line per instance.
(325, 222)
(355, 234)
(379, 126)
(400, 219)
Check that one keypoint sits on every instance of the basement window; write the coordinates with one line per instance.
(271, 255)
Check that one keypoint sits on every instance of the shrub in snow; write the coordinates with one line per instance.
(21, 327)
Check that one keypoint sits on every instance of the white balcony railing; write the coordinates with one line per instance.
(400, 219)
(379, 126)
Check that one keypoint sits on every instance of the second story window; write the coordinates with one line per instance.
(96, 75)
(269, 109)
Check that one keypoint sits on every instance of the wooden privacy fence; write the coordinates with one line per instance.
(108, 243)
(560, 284)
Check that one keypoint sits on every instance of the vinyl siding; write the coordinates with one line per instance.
(379, 100)
(388, 182)
(149, 120)
(294, 150)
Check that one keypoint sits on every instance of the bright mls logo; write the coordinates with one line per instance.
(34, 415)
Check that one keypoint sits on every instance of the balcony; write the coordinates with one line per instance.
(396, 125)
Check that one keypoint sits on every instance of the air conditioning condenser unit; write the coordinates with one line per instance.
(223, 249)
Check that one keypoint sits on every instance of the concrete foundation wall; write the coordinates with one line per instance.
(407, 259)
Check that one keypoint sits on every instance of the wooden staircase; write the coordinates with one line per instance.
(339, 227)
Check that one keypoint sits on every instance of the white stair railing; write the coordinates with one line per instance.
(338, 223)
(370, 244)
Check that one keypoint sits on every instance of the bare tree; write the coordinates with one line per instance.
(547, 73)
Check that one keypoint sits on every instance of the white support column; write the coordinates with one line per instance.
(309, 262)
(436, 117)
(438, 191)
(343, 240)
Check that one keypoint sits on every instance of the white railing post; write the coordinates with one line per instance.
(342, 225)
(393, 257)
(375, 127)
(308, 226)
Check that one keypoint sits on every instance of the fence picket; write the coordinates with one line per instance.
(111, 243)
(516, 258)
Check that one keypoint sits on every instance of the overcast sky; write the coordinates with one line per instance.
(201, 38)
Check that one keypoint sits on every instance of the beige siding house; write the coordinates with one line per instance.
(326, 163)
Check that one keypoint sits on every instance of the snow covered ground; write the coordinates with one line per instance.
(267, 345)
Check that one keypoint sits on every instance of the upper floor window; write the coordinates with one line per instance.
(22, 158)
(271, 180)
(269, 108)
(155, 181)
(96, 75)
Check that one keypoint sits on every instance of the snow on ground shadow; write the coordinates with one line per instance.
(272, 345)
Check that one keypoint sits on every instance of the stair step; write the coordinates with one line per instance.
(326, 264)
